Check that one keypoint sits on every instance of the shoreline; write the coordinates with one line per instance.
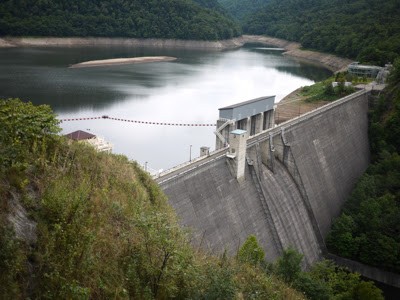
(122, 61)
(7, 42)
(292, 49)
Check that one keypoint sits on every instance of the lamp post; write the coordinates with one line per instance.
(190, 153)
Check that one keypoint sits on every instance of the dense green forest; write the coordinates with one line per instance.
(175, 19)
(241, 8)
(77, 224)
(369, 228)
(365, 30)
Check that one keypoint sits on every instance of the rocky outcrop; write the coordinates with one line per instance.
(25, 228)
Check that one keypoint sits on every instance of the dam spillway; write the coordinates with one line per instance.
(296, 179)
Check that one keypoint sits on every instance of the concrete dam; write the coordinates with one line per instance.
(282, 184)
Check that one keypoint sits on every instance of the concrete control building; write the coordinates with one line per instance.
(254, 116)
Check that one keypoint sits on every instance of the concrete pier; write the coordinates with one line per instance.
(237, 152)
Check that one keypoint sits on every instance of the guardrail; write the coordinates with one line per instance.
(207, 161)
(197, 159)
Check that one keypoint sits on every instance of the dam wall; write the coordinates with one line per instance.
(297, 177)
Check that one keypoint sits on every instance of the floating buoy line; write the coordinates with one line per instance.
(138, 122)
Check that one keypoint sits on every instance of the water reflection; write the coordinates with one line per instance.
(188, 90)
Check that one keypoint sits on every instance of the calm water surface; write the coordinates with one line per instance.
(188, 90)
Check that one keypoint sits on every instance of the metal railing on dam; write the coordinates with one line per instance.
(186, 167)
(199, 162)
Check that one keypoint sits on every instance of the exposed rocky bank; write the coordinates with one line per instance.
(336, 64)
(94, 41)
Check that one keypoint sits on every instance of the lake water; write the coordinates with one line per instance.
(188, 90)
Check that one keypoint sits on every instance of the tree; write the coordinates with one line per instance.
(251, 252)
(23, 126)
(343, 284)
(289, 264)
(329, 89)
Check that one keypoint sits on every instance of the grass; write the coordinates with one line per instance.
(319, 91)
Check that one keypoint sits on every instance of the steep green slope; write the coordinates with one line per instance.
(241, 8)
(177, 19)
(366, 30)
(369, 227)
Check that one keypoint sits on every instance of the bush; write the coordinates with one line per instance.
(250, 252)
(314, 289)
(329, 90)
(288, 266)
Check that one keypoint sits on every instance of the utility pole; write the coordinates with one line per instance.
(190, 154)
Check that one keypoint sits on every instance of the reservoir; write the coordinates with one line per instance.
(188, 90)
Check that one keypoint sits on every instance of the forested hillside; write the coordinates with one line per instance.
(369, 227)
(241, 8)
(365, 30)
(212, 4)
(174, 19)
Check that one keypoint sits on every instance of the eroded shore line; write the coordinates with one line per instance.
(122, 61)
(292, 48)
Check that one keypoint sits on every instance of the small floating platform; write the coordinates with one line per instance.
(122, 61)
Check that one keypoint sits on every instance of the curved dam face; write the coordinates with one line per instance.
(297, 177)
(222, 211)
